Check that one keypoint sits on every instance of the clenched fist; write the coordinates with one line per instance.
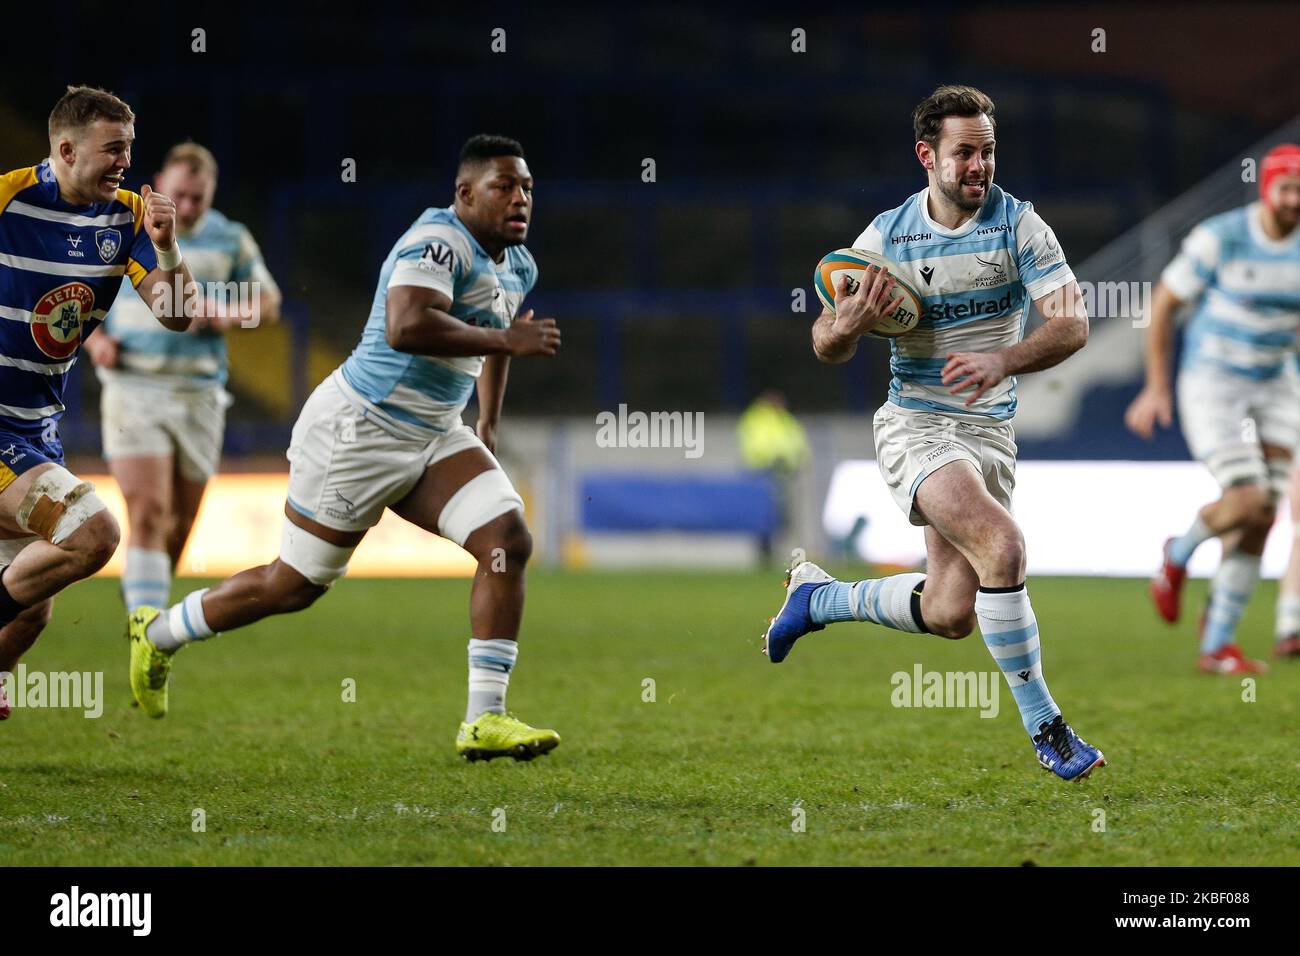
(528, 337)
(159, 217)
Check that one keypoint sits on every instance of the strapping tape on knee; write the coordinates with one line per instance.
(57, 504)
(487, 495)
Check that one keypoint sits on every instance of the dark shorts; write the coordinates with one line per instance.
(20, 453)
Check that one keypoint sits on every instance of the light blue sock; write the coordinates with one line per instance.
(1011, 634)
(1230, 592)
(1182, 547)
(146, 579)
(884, 601)
(830, 603)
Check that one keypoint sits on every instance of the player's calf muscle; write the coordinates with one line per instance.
(948, 623)
(257, 593)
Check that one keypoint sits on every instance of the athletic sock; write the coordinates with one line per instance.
(490, 664)
(1010, 632)
(1288, 615)
(894, 602)
(180, 623)
(1230, 592)
(147, 578)
(1181, 548)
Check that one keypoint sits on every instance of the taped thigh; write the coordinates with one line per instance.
(318, 561)
(57, 504)
(1279, 477)
(1238, 464)
(487, 495)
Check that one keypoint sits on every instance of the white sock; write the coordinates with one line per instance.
(490, 664)
(147, 578)
(180, 623)
(1288, 615)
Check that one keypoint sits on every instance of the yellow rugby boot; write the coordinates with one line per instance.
(503, 735)
(150, 667)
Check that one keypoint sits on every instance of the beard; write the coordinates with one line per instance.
(952, 191)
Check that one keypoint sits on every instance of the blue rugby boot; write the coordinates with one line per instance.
(793, 621)
(1064, 752)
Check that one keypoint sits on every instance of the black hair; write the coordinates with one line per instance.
(480, 148)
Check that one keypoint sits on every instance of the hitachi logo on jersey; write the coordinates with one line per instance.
(947, 310)
(1003, 227)
(913, 238)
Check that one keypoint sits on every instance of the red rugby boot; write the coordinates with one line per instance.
(1167, 587)
(1230, 660)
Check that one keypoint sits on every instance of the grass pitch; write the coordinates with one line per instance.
(720, 768)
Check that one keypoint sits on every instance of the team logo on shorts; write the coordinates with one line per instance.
(108, 241)
(58, 318)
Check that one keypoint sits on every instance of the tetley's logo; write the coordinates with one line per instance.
(59, 316)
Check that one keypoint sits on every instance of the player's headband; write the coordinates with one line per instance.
(1283, 160)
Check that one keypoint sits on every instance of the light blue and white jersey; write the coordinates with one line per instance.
(422, 391)
(217, 251)
(1246, 287)
(976, 283)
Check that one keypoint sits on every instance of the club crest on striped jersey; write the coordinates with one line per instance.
(108, 241)
(58, 318)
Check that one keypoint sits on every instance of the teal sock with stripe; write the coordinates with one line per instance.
(1010, 633)
(1230, 592)
(891, 602)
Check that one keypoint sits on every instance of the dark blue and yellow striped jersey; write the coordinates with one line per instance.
(61, 266)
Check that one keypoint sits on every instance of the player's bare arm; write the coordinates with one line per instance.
(491, 395)
(1155, 403)
(418, 322)
(835, 335)
(103, 349)
(159, 287)
(1064, 332)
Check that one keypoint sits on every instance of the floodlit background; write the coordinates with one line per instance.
(684, 294)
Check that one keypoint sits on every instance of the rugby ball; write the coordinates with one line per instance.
(853, 263)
